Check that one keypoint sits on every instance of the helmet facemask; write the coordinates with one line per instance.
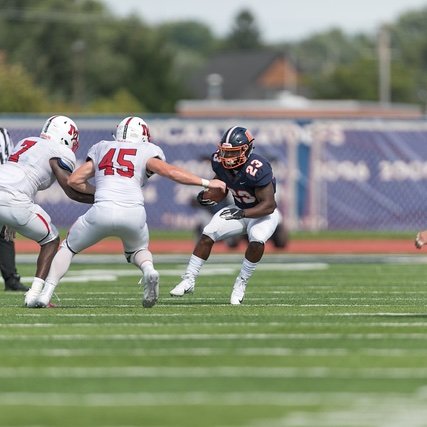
(233, 157)
(235, 147)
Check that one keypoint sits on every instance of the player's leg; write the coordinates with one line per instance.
(134, 233)
(35, 224)
(217, 229)
(83, 233)
(12, 217)
(259, 231)
(59, 266)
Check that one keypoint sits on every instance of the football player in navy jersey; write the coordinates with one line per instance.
(250, 180)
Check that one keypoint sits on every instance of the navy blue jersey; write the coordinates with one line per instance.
(242, 182)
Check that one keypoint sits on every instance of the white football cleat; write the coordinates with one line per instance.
(151, 289)
(32, 295)
(186, 286)
(238, 293)
(43, 300)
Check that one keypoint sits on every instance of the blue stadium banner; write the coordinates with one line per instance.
(331, 174)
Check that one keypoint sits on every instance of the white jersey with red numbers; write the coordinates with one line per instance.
(28, 171)
(121, 170)
(120, 174)
(25, 173)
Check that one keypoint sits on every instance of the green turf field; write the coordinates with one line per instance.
(318, 343)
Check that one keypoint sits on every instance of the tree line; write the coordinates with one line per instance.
(76, 56)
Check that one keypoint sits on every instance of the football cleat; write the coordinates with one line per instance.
(13, 283)
(43, 300)
(186, 286)
(238, 293)
(32, 295)
(151, 289)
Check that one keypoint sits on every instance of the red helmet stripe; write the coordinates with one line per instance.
(125, 129)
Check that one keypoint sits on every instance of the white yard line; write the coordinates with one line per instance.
(215, 351)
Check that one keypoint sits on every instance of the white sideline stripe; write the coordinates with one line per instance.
(215, 336)
(213, 372)
(210, 351)
(104, 275)
(259, 398)
(41, 313)
(170, 302)
(228, 324)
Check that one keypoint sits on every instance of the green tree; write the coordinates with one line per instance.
(77, 52)
(18, 92)
(189, 35)
(409, 48)
(244, 34)
(121, 102)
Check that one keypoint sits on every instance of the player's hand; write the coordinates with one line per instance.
(232, 213)
(420, 239)
(205, 202)
(217, 183)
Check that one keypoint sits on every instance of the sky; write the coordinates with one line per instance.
(278, 20)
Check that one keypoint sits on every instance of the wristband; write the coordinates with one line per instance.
(205, 183)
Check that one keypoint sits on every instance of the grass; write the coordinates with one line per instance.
(324, 344)
(294, 235)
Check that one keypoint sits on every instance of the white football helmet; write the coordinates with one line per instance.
(133, 129)
(63, 130)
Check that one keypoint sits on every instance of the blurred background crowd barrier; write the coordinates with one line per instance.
(331, 174)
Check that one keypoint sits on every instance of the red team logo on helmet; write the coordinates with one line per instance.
(62, 130)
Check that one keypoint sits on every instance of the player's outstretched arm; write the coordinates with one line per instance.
(182, 176)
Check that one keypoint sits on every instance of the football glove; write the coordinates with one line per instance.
(232, 213)
(205, 202)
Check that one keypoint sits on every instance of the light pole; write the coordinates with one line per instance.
(384, 58)
(78, 49)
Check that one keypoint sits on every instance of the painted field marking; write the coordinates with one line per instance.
(215, 336)
(215, 351)
(108, 275)
(320, 372)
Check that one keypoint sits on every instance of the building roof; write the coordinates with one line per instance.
(241, 73)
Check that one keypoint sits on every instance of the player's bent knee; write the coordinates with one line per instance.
(206, 240)
(208, 237)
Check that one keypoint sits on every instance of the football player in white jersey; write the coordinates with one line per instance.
(120, 168)
(34, 165)
(12, 280)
